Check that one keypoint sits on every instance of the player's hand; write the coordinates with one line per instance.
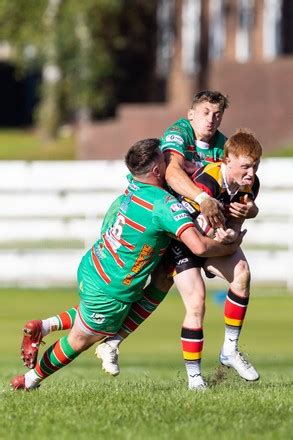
(247, 209)
(212, 210)
(232, 247)
(226, 236)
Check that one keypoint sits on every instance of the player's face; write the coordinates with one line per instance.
(205, 118)
(241, 169)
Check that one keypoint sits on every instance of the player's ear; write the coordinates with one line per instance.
(190, 114)
(156, 171)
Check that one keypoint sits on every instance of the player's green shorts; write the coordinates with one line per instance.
(98, 313)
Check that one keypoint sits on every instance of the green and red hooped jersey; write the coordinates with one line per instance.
(180, 139)
(134, 238)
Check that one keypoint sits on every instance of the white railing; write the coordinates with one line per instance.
(50, 212)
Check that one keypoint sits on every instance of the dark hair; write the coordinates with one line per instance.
(141, 157)
(243, 143)
(213, 97)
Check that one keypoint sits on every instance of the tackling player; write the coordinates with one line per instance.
(113, 272)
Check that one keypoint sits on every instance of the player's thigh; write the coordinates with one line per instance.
(191, 287)
(227, 267)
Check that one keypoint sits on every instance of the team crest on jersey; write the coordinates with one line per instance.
(176, 207)
(175, 138)
(168, 198)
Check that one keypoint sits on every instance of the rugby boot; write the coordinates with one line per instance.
(196, 383)
(243, 367)
(109, 357)
(32, 338)
(18, 383)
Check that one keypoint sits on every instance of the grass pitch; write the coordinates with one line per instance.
(149, 399)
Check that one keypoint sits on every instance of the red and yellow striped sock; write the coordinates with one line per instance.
(234, 314)
(57, 356)
(142, 309)
(192, 344)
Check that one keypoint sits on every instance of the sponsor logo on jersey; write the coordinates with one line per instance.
(125, 203)
(182, 261)
(98, 250)
(188, 207)
(98, 318)
(175, 138)
(176, 207)
(133, 186)
(181, 216)
(141, 260)
(176, 128)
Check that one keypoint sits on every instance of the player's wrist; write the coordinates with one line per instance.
(201, 197)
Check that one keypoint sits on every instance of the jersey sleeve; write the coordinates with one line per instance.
(207, 178)
(175, 139)
(171, 216)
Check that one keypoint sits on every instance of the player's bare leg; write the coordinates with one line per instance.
(192, 290)
(235, 270)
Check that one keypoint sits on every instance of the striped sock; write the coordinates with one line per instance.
(63, 321)
(192, 345)
(234, 314)
(57, 356)
(142, 309)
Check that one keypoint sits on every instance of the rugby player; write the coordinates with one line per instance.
(113, 272)
(231, 181)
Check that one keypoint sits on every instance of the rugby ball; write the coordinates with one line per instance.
(204, 227)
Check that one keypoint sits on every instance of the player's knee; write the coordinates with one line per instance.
(195, 309)
(242, 275)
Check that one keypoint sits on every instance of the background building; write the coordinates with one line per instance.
(241, 47)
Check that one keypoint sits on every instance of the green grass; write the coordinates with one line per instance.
(27, 145)
(149, 399)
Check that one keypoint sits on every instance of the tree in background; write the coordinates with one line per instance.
(68, 41)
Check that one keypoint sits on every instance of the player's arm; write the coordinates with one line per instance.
(207, 247)
(180, 182)
(177, 177)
